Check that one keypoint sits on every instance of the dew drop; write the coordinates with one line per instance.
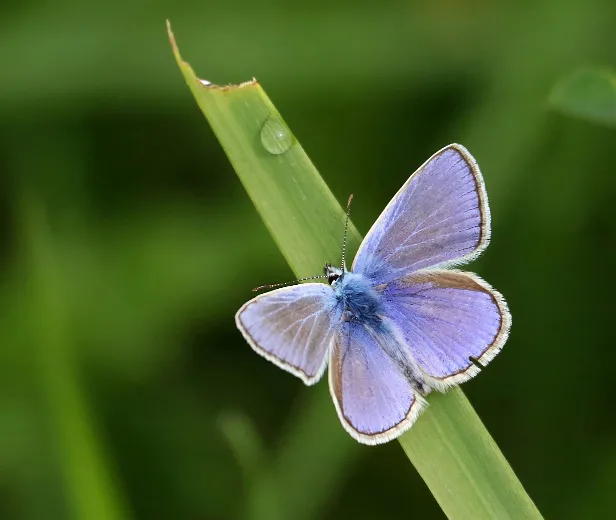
(276, 137)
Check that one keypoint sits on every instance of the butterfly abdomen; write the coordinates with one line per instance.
(360, 300)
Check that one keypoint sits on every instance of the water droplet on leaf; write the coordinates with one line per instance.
(276, 137)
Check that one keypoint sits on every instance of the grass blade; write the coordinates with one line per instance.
(284, 187)
(461, 463)
(449, 445)
(88, 480)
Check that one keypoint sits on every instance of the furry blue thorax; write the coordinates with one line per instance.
(360, 301)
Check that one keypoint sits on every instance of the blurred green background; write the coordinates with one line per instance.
(128, 243)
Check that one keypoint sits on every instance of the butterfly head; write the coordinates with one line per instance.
(332, 273)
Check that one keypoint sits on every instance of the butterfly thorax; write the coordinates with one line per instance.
(361, 302)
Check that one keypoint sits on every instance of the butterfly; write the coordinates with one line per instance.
(402, 322)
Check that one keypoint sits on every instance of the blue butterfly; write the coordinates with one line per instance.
(401, 322)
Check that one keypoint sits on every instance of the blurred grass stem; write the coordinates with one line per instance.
(88, 482)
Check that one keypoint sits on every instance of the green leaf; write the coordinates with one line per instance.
(587, 93)
(449, 445)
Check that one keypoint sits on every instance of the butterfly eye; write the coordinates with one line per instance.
(332, 277)
(332, 273)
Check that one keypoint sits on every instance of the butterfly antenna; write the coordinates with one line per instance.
(346, 228)
(272, 286)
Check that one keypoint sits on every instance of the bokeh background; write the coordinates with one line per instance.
(128, 243)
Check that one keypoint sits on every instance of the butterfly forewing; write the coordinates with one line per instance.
(439, 217)
(293, 327)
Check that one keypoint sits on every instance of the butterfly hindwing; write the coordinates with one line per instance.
(440, 217)
(293, 327)
(374, 397)
(447, 317)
